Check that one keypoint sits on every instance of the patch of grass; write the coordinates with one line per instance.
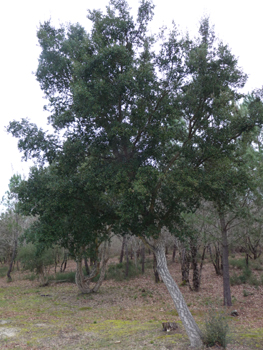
(85, 308)
(146, 293)
(172, 312)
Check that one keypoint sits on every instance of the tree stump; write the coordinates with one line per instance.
(169, 326)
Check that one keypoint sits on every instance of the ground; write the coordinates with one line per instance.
(122, 315)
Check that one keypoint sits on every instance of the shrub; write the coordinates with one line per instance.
(30, 277)
(216, 329)
(235, 280)
(117, 271)
(246, 293)
(32, 260)
(3, 271)
(256, 264)
(238, 263)
(69, 276)
(246, 277)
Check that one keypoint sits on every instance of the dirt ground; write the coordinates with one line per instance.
(124, 315)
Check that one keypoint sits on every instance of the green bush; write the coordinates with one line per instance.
(247, 276)
(3, 271)
(60, 276)
(30, 277)
(235, 280)
(32, 260)
(238, 263)
(256, 264)
(216, 329)
(117, 271)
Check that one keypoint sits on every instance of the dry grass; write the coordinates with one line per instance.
(123, 315)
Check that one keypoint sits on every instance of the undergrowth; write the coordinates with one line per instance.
(246, 276)
(216, 329)
(3, 271)
(117, 271)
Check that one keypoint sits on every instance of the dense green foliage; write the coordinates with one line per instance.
(140, 135)
(216, 330)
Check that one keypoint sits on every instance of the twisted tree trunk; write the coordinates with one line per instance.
(99, 267)
(192, 329)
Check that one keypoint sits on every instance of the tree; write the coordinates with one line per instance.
(66, 216)
(137, 127)
(11, 223)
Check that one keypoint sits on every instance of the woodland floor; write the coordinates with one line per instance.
(122, 315)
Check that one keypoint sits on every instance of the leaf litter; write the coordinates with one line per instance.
(122, 315)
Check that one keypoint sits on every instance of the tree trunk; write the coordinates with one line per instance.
(143, 258)
(122, 249)
(185, 266)
(196, 276)
(14, 252)
(127, 259)
(192, 329)
(174, 252)
(226, 278)
(155, 271)
(217, 263)
(86, 265)
(84, 282)
(64, 262)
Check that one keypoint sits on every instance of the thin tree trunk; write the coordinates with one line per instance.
(143, 258)
(174, 252)
(83, 282)
(86, 265)
(155, 271)
(226, 277)
(14, 252)
(64, 262)
(196, 279)
(216, 261)
(127, 259)
(122, 249)
(201, 264)
(192, 329)
(185, 266)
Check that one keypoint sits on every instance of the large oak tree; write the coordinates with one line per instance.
(134, 127)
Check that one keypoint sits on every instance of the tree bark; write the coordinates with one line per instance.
(192, 329)
(155, 271)
(196, 276)
(226, 277)
(185, 266)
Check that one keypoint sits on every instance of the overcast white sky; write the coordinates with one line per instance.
(237, 23)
